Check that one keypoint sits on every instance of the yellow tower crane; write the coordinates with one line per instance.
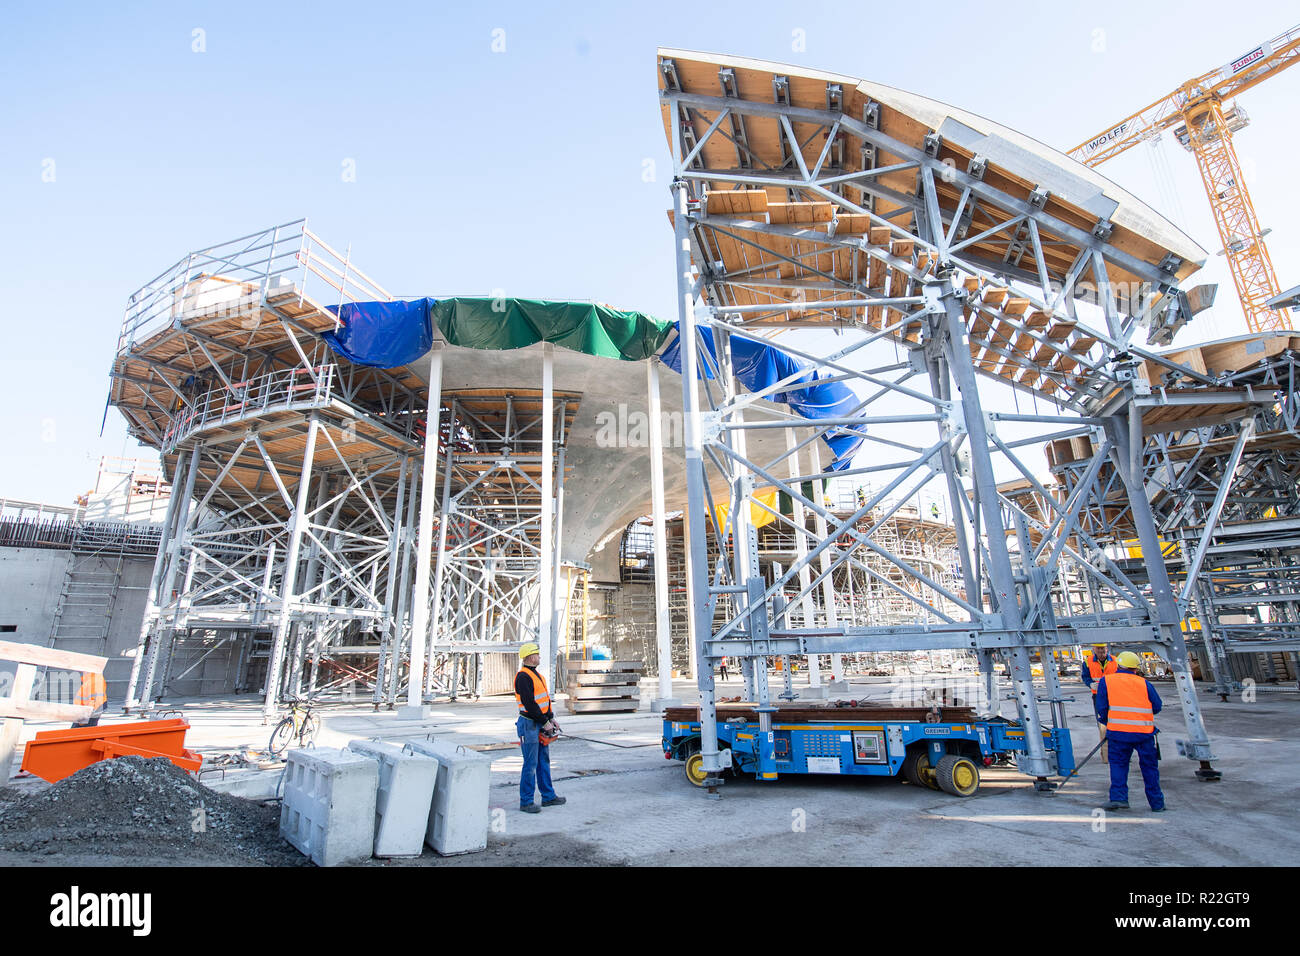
(1203, 123)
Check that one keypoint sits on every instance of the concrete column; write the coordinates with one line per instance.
(663, 628)
(424, 542)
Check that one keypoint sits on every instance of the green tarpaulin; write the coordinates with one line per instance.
(582, 327)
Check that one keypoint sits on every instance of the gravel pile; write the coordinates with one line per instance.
(151, 808)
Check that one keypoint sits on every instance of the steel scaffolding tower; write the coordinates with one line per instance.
(1225, 495)
(807, 200)
(286, 536)
(488, 582)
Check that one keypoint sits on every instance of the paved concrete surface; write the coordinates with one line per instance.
(627, 804)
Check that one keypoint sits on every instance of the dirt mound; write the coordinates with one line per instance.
(152, 807)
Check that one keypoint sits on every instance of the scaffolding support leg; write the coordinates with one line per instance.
(275, 664)
(1127, 436)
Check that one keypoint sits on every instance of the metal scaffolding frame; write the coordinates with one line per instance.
(911, 278)
(1226, 499)
(497, 544)
(289, 540)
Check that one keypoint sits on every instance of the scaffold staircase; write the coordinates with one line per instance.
(87, 600)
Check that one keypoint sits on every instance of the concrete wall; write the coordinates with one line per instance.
(31, 580)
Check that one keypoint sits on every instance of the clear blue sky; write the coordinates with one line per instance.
(477, 170)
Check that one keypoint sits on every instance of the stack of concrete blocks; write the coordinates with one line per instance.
(458, 818)
(604, 687)
(328, 804)
(405, 794)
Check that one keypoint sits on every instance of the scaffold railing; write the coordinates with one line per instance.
(232, 277)
(297, 388)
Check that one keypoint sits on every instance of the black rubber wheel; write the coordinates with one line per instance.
(281, 736)
(917, 770)
(957, 775)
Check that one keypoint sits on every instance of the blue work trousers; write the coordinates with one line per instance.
(1121, 746)
(536, 774)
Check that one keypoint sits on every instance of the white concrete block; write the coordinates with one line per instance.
(458, 818)
(404, 797)
(327, 806)
(247, 783)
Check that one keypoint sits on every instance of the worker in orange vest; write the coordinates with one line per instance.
(534, 723)
(1096, 666)
(93, 693)
(1128, 704)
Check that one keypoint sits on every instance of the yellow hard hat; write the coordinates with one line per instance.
(1128, 659)
(1099, 647)
(528, 650)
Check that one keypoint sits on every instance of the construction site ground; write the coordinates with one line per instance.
(627, 805)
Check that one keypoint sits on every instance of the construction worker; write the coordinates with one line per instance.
(1096, 666)
(93, 693)
(1128, 704)
(535, 720)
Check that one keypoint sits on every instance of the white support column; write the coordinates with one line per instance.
(424, 543)
(801, 550)
(288, 584)
(663, 628)
(546, 577)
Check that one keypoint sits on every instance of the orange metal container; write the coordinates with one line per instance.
(55, 754)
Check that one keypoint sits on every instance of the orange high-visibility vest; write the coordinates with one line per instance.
(93, 692)
(540, 694)
(1098, 671)
(1130, 708)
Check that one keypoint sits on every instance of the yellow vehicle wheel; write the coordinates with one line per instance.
(695, 769)
(917, 769)
(957, 775)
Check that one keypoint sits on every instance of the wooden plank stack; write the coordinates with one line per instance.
(605, 687)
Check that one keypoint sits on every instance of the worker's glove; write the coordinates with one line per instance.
(551, 728)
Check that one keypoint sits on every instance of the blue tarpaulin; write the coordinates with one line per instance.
(759, 365)
(383, 334)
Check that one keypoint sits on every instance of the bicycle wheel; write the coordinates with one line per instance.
(281, 736)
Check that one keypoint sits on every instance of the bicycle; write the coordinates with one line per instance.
(301, 723)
